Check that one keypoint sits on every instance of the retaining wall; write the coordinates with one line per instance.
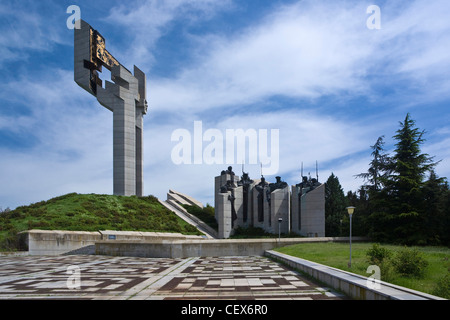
(202, 248)
(54, 242)
(353, 285)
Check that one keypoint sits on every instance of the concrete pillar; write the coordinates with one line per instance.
(220, 181)
(141, 110)
(313, 212)
(280, 208)
(256, 204)
(224, 215)
(82, 53)
(239, 206)
(126, 98)
(121, 97)
(295, 210)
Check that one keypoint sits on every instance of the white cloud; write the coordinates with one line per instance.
(312, 49)
(145, 22)
(420, 31)
(307, 50)
(26, 29)
(295, 52)
(441, 152)
(71, 149)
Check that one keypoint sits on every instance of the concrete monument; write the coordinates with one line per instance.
(125, 97)
(273, 207)
(308, 208)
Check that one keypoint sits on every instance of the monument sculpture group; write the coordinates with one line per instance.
(274, 207)
(125, 97)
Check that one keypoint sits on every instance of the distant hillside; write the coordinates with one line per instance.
(91, 212)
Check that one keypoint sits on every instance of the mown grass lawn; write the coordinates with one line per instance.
(337, 255)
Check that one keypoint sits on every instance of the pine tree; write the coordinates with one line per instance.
(445, 236)
(372, 203)
(378, 167)
(404, 187)
(435, 228)
(402, 206)
(335, 204)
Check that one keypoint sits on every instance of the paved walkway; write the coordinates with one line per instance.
(102, 277)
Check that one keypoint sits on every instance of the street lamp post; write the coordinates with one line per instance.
(350, 211)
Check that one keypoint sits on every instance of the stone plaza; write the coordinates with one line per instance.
(124, 278)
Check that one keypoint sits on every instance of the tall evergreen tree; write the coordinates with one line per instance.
(445, 236)
(372, 203)
(402, 205)
(360, 201)
(335, 204)
(404, 187)
(378, 167)
(435, 228)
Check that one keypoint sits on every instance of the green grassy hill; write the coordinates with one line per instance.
(91, 212)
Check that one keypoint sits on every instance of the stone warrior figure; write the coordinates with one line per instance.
(278, 185)
(231, 198)
(245, 183)
(261, 188)
(306, 185)
(272, 187)
(229, 171)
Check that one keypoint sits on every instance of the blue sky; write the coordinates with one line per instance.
(311, 69)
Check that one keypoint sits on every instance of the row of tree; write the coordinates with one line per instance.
(402, 199)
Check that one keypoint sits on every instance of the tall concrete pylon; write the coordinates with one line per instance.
(125, 97)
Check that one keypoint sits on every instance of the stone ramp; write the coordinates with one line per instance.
(188, 199)
(173, 206)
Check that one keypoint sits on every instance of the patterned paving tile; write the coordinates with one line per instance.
(103, 277)
(46, 276)
(240, 278)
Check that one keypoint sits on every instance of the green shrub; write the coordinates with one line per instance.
(381, 257)
(205, 214)
(377, 255)
(191, 229)
(8, 241)
(171, 225)
(251, 232)
(410, 263)
(442, 288)
(151, 199)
